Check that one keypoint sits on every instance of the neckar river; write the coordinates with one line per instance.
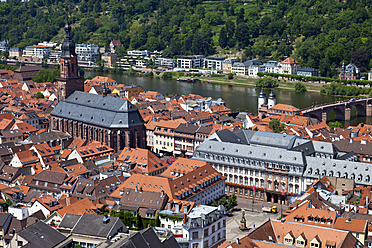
(238, 98)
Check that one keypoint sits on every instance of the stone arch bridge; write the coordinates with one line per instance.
(342, 109)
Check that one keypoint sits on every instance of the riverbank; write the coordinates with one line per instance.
(252, 81)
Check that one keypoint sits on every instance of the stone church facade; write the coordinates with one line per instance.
(111, 120)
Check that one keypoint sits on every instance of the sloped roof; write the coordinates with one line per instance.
(105, 111)
(40, 234)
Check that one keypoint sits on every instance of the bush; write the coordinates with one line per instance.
(339, 89)
(300, 87)
(167, 75)
(230, 76)
(332, 125)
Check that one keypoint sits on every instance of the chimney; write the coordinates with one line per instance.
(169, 206)
(136, 188)
(141, 189)
(238, 241)
(162, 194)
(176, 208)
(367, 201)
(184, 218)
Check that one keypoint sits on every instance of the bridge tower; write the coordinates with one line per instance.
(272, 100)
(261, 99)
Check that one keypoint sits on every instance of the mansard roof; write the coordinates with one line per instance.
(104, 111)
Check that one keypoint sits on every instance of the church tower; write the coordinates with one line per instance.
(70, 79)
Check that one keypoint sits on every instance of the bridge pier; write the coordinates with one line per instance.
(369, 110)
(324, 116)
(347, 113)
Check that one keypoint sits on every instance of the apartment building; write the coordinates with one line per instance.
(214, 62)
(205, 226)
(189, 62)
(87, 52)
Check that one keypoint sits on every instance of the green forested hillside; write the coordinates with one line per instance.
(319, 34)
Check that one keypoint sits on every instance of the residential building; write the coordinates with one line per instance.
(214, 62)
(89, 230)
(48, 181)
(87, 52)
(109, 59)
(15, 52)
(141, 161)
(114, 44)
(239, 68)
(92, 151)
(141, 63)
(38, 234)
(145, 238)
(301, 235)
(272, 66)
(165, 62)
(271, 166)
(192, 61)
(184, 139)
(4, 46)
(128, 91)
(145, 203)
(164, 136)
(111, 120)
(227, 65)
(349, 72)
(202, 185)
(288, 66)
(307, 72)
(205, 226)
(95, 190)
(5, 220)
(138, 53)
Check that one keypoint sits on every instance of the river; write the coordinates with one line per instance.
(237, 97)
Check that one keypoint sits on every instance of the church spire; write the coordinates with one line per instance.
(68, 46)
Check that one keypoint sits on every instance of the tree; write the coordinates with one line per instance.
(267, 82)
(139, 223)
(157, 221)
(230, 76)
(242, 34)
(224, 202)
(335, 124)
(39, 95)
(360, 58)
(232, 200)
(46, 76)
(240, 17)
(300, 87)
(223, 39)
(214, 204)
(276, 126)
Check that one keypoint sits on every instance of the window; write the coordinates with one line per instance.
(195, 245)
(20, 243)
(206, 232)
(195, 235)
(206, 244)
(45, 184)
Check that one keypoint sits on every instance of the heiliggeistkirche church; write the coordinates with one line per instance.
(111, 120)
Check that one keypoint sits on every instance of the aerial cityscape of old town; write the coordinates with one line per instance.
(185, 124)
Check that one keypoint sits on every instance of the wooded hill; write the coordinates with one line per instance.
(319, 34)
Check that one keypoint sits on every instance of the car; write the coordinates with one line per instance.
(352, 100)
